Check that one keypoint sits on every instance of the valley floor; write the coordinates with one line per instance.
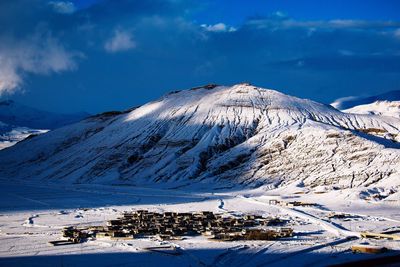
(32, 214)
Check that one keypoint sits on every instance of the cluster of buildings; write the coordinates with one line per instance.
(173, 225)
(291, 204)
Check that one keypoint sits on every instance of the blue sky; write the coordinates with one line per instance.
(93, 56)
(237, 11)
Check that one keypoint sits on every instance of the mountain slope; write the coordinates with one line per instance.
(10, 135)
(17, 122)
(13, 113)
(381, 108)
(217, 136)
(350, 102)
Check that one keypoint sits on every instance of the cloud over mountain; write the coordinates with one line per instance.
(40, 53)
(161, 38)
(120, 41)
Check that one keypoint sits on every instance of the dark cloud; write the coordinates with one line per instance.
(282, 22)
(374, 63)
(116, 54)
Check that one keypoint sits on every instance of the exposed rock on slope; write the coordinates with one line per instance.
(218, 136)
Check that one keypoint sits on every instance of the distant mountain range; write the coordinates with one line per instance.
(19, 121)
(218, 136)
(387, 104)
(381, 108)
(13, 113)
(352, 101)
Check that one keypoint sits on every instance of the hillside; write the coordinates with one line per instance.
(217, 136)
(350, 102)
(17, 122)
(10, 135)
(381, 108)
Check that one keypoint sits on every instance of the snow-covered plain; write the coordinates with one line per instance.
(33, 214)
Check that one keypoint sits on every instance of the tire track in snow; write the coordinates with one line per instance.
(330, 227)
(307, 250)
(29, 199)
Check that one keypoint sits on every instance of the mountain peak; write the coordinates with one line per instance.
(212, 135)
(243, 98)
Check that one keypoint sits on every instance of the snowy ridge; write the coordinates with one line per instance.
(352, 101)
(10, 135)
(381, 108)
(222, 136)
(17, 122)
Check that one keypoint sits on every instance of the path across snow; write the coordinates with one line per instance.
(328, 226)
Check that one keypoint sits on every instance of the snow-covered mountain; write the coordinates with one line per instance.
(10, 135)
(386, 104)
(352, 101)
(13, 113)
(217, 136)
(382, 108)
(17, 122)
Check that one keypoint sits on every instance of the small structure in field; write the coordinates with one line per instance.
(61, 242)
(259, 234)
(333, 215)
(368, 249)
(76, 235)
(291, 203)
(379, 236)
(274, 202)
(301, 204)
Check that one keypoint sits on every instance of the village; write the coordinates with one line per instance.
(173, 225)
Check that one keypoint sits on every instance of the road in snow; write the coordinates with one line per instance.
(328, 226)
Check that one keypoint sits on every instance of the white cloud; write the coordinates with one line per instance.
(345, 52)
(38, 54)
(279, 14)
(219, 27)
(288, 23)
(338, 102)
(120, 41)
(397, 33)
(300, 63)
(9, 79)
(63, 7)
